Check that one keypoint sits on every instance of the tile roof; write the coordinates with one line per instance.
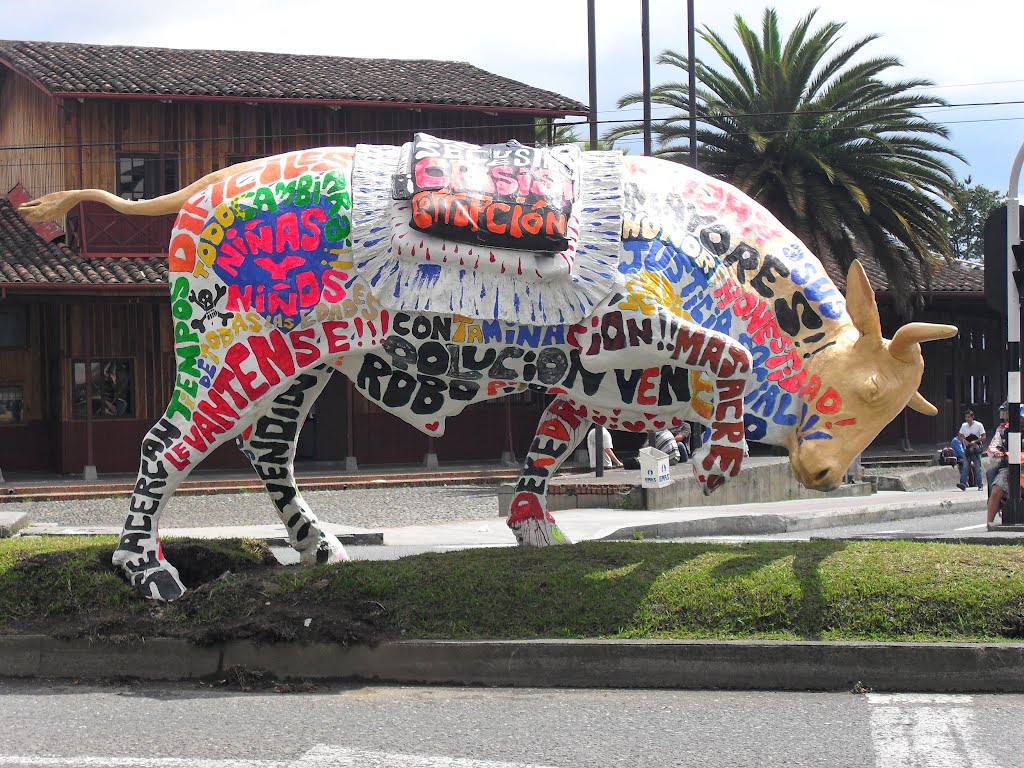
(110, 70)
(26, 260)
(956, 276)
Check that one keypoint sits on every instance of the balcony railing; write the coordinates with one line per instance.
(95, 231)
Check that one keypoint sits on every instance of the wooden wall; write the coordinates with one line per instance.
(30, 444)
(204, 135)
(139, 331)
(978, 351)
(32, 127)
(24, 367)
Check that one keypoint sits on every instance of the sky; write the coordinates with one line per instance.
(970, 51)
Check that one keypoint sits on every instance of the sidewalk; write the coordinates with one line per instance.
(611, 524)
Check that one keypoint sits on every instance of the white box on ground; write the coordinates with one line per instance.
(654, 472)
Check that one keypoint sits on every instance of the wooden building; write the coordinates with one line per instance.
(86, 364)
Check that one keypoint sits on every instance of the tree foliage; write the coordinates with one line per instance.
(844, 159)
(970, 210)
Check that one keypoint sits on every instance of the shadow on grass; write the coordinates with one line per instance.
(807, 611)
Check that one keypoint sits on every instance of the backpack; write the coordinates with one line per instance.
(947, 457)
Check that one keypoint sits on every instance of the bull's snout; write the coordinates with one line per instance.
(816, 472)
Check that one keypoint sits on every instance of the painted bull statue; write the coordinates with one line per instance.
(439, 274)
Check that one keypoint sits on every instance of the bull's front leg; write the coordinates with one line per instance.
(270, 445)
(727, 364)
(561, 428)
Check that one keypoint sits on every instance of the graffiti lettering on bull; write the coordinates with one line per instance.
(700, 307)
(280, 263)
(497, 195)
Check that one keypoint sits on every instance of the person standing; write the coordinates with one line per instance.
(996, 446)
(1001, 479)
(973, 434)
(610, 459)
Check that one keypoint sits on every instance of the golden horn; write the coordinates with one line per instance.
(904, 344)
(919, 404)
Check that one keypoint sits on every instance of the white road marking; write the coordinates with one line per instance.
(340, 757)
(925, 731)
(972, 527)
(85, 761)
(320, 756)
(919, 698)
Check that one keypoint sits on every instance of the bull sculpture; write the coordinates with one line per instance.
(438, 274)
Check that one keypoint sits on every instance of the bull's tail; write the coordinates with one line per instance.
(56, 204)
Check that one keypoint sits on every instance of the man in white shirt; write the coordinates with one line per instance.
(971, 427)
(610, 459)
(972, 432)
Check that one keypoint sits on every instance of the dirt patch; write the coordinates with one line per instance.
(231, 595)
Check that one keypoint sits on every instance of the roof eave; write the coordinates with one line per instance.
(538, 111)
(141, 289)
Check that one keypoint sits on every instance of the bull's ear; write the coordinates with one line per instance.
(860, 302)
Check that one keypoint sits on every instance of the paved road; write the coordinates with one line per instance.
(154, 726)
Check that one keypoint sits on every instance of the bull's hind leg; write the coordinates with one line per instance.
(270, 446)
(139, 555)
(561, 428)
(170, 451)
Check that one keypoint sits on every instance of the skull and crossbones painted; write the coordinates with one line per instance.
(207, 301)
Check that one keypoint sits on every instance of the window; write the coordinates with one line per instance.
(143, 176)
(113, 389)
(11, 400)
(13, 328)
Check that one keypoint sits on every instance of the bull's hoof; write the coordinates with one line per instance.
(538, 533)
(327, 549)
(150, 575)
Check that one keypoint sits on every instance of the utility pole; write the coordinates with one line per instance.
(1013, 250)
(692, 85)
(592, 60)
(645, 44)
(592, 70)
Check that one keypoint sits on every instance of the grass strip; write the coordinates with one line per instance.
(826, 590)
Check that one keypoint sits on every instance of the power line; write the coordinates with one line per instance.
(507, 126)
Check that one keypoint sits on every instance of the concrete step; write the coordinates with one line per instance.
(760, 481)
(909, 460)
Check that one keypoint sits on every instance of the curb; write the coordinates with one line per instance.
(741, 665)
(761, 524)
(11, 523)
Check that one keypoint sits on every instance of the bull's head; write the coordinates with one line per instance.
(876, 379)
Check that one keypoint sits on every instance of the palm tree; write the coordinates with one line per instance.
(843, 159)
(561, 133)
